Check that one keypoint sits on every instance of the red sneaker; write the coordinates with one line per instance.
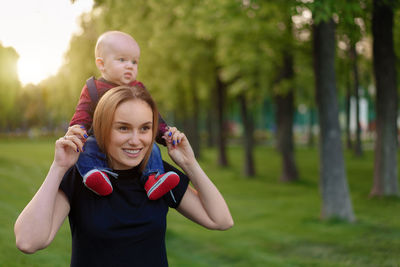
(158, 185)
(98, 182)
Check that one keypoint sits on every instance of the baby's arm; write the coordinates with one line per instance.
(83, 113)
(162, 129)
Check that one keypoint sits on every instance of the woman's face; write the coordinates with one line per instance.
(131, 134)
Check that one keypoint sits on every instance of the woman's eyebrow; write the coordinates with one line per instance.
(121, 122)
(126, 123)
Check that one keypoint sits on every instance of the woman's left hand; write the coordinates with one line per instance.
(179, 148)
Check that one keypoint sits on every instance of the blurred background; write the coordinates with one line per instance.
(291, 105)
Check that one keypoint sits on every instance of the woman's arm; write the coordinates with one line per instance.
(40, 220)
(203, 204)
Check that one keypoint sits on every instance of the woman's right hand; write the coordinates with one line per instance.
(68, 147)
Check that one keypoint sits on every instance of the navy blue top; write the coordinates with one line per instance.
(124, 228)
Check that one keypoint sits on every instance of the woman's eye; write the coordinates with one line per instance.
(134, 62)
(123, 128)
(145, 128)
(121, 59)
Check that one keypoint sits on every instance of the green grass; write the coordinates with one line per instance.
(276, 224)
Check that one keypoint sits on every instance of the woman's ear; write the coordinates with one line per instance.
(100, 63)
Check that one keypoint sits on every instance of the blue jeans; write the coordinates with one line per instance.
(93, 158)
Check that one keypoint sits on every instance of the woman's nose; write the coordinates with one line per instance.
(134, 139)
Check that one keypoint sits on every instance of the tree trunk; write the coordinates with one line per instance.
(248, 127)
(284, 134)
(310, 137)
(189, 126)
(357, 146)
(348, 105)
(385, 169)
(194, 123)
(285, 112)
(220, 106)
(336, 201)
(284, 121)
(210, 125)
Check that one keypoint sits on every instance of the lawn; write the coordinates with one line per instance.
(276, 224)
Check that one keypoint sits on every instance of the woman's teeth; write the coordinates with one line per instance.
(132, 151)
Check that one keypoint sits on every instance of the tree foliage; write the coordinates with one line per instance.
(9, 87)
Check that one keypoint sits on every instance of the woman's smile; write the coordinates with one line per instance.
(132, 152)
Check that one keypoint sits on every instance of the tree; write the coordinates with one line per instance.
(252, 59)
(385, 168)
(353, 56)
(336, 200)
(34, 111)
(220, 100)
(285, 101)
(248, 125)
(9, 87)
(301, 49)
(351, 30)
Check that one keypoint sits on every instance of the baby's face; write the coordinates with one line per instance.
(120, 60)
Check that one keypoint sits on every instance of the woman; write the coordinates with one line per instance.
(125, 228)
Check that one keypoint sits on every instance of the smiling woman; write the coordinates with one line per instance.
(124, 228)
(39, 55)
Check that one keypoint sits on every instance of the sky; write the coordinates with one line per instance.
(39, 30)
